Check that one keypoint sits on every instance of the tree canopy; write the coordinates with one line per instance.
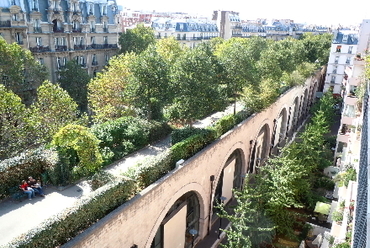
(20, 72)
(136, 40)
(74, 80)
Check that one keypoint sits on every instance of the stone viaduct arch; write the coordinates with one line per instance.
(201, 180)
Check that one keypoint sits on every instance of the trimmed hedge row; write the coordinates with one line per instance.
(33, 163)
(64, 226)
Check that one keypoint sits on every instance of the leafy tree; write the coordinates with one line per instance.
(238, 66)
(251, 227)
(74, 80)
(197, 91)
(169, 48)
(136, 40)
(149, 89)
(105, 91)
(15, 130)
(261, 95)
(53, 109)
(317, 47)
(79, 150)
(20, 72)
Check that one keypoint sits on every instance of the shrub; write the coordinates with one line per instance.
(153, 169)
(337, 215)
(100, 178)
(187, 148)
(62, 227)
(224, 124)
(78, 150)
(126, 135)
(324, 182)
(33, 163)
(184, 133)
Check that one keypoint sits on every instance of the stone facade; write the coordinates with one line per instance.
(163, 214)
(57, 31)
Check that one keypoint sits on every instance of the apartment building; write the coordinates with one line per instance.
(189, 32)
(57, 31)
(342, 53)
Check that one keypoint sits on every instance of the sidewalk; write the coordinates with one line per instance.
(17, 218)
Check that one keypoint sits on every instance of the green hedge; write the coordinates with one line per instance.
(184, 133)
(126, 135)
(64, 226)
(33, 163)
(190, 146)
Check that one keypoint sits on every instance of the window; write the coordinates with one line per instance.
(92, 26)
(91, 9)
(345, 38)
(92, 40)
(59, 63)
(339, 47)
(336, 59)
(105, 40)
(348, 60)
(41, 61)
(332, 79)
(334, 70)
(350, 49)
(38, 41)
(18, 38)
(15, 17)
(94, 60)
(106, 56)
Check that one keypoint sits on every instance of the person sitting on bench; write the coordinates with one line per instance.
(36, 186)
(27, 189)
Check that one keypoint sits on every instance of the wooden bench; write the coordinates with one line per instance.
(17, 194)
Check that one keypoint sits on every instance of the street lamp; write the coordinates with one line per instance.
(223, 199)
(193, 232)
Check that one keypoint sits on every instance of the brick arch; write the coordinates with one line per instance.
(280, 128)
(260, 147)
(191, 187)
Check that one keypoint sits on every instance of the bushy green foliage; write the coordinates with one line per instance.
(100, 178)
(127, 134)
(190, 146)
(16, 130)
(224, 124)
(79, 151)
(344, 177)
(150, 170)
(60, 228)
(324, 182)
(181, 134)
(32, 163)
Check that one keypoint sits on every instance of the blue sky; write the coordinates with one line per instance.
(324, 12)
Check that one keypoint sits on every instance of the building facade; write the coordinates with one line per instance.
(342, 53)
(57, 31)
(189, 32)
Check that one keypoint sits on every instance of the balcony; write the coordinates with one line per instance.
(351, 99)
(61, 48)
(79, 47)
(92, 30)
(40, 49)
(76, 30)
(37, 30)
(94, 63)
(58, 30)
(5, 24)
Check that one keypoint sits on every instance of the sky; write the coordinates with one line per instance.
(320, 12)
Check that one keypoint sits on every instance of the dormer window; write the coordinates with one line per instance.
(91, 9)
(104, 10)
(345, 38)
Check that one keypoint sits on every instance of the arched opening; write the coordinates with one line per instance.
(57, 26)
(260, 149)
(181, 218)
(294, 116)
(231, 177)
(280, 131)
